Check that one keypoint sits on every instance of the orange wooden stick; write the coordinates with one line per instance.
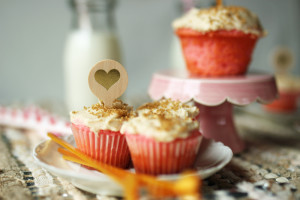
(75, 153)
(117, 173)
(186, 185)
(65, 152)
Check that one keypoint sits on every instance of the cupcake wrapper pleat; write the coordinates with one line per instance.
(106, 146)
(152, 157)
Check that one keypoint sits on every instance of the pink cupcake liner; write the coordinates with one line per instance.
(106, 146)
(152, 157)
(287, 102)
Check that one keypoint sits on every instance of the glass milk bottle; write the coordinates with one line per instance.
(92, 38)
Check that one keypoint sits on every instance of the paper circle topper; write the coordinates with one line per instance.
(108, 80)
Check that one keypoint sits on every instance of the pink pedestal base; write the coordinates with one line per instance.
(215, 98)
(216, 122)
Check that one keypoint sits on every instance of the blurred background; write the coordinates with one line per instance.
(35, 42)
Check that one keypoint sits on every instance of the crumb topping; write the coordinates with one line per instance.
(220, 18)
(164, 120)
(119, 109)
(99, 117)
(163, 105)
(168, 112)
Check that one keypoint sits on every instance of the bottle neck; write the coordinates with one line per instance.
(93, 15)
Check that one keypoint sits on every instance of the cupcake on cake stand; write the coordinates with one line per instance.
(215, 98)
(217, 44)
(288, 84)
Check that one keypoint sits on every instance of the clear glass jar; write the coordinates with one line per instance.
(92, 38)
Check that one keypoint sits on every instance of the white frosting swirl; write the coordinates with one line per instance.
(99, 117)
(220, 18)
(163, 120)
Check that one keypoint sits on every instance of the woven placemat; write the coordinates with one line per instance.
(268, 169)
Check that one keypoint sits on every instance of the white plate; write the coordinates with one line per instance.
(212, 157)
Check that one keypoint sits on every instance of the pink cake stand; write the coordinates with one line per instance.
(215, 98)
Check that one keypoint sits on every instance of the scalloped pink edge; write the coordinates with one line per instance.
(241, 90)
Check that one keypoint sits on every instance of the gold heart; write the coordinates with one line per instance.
(107, 79)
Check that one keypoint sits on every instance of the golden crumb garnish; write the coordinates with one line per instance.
(232, 9)
(220, 18)
(163, 111)
(163, 104)
(119, 109)
(167, 122)
(74, 112)
(231, 12)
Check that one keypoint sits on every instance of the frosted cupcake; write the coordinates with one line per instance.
(218, 41)
(289, 93)
(163, 138)
(96, 131)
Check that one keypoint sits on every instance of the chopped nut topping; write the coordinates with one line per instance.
(163, 120)
(163, 111)
(120, 109)
(220, 18)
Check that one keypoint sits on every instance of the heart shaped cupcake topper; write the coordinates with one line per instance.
(108, 80)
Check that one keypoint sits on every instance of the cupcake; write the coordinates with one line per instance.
(163, 138)
(218, 41)
(96, 131)
(289, 93)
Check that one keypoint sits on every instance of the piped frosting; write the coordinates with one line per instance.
(99, 117)
(220, 18)
(163, 120)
